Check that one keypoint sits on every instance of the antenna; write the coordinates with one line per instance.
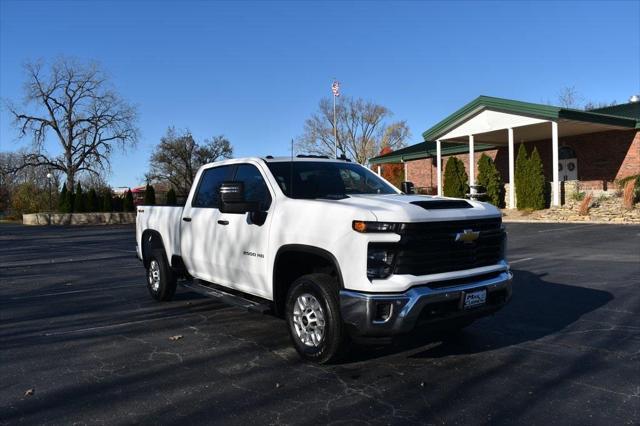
(291, 171)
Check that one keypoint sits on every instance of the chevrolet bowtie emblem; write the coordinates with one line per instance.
(467, 236)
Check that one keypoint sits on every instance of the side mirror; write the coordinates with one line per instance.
(231, 199)
(407, 187)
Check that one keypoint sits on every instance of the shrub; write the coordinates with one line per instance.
(107, 201)
(635, 178)
(92, 201)
(585, 205)
(118, 204)
(489, 177)
(28, 198)
(128, 202)
(532, 190)
(578, 195)
(537, 181)
(171, 197)
(522, 187)
(64, 201)
(78, 200)
(628, 195)
(149, 196)
(455, 179)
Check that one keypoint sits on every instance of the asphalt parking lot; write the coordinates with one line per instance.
(78, 328)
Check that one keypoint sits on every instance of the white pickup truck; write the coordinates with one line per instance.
(331, 247)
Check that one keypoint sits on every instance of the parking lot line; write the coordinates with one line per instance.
(61, 293)
(122, 324)
(566, 228)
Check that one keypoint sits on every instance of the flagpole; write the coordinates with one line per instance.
(335, 128)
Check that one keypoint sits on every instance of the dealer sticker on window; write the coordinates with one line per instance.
(473, 299)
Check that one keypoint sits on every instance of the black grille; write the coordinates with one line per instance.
(431, 247)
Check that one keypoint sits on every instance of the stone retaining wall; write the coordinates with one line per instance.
(78, 218)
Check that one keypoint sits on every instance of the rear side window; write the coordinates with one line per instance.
(209, 186)
(255, 188)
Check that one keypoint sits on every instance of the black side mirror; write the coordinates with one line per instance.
(231, 199)
(407, 187)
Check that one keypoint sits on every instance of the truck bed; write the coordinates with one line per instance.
(166, 220)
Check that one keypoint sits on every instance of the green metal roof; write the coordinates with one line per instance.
(548, 112)
(426, 150)
(625, 115)
(631, 110)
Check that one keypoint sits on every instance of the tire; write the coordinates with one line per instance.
(313, 318)
(161, 280)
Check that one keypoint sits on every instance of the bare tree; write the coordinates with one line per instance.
(74, 104)
(178, 157)
(569, 97)
(591, 105)
(361, 128)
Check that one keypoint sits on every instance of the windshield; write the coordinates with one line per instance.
(324, 179)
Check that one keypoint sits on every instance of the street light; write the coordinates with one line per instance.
(49, 177)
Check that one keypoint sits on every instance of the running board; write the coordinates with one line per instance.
(227, 298)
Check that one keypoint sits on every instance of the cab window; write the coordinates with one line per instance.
(209, 186)
(255, 188)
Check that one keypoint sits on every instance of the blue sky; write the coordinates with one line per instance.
(255, 71)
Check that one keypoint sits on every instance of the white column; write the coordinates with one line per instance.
(379, 170)
(512, 173)
(406, 171)
(554, 150)
(472, 160)
(439, 166)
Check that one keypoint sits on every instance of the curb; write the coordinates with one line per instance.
(582, 222)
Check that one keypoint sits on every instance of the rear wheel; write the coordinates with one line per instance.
(161, 280)
(313, 317)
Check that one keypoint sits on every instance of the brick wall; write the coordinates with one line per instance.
(603, 158)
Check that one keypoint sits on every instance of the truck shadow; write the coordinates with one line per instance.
(538, 308)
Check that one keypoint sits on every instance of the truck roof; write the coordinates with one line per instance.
(271, 159)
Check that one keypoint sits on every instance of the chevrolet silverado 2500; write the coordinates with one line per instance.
(331, 247)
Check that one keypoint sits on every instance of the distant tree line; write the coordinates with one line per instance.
(93, 200)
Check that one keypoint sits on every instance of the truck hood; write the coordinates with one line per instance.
(399, 208)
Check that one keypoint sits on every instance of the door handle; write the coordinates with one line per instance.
(223, 222)
(186, 219)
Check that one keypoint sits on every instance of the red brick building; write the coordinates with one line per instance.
(590, 148)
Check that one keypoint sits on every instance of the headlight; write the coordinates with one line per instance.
(362, 226)
(380, 262)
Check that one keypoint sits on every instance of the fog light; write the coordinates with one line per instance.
(379, 262)
(383, 312)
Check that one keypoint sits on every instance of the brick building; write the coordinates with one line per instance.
(592, 149)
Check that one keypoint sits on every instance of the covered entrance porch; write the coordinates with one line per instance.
(500, 124)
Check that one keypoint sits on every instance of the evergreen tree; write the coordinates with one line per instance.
(128, 202)
(455, 179)
(117, 204)
(63, 201)
(107, 202)
(71, 197)
(489, 177)
(149, 196)
(521, 178)
(537, 182)
(92, 201)
(78, 202)
(171, 197)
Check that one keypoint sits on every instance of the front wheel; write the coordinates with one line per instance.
(313, 317)
(161, 280)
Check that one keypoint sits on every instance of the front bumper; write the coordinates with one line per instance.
(420, 305)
